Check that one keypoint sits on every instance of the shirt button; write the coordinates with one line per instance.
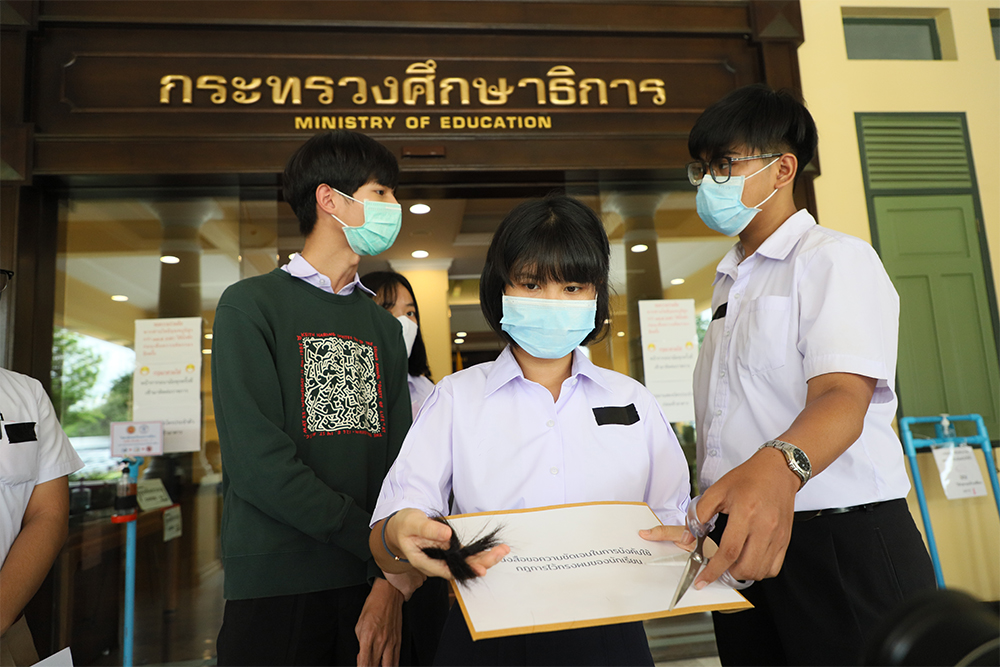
(713, 452)
(736, 296)
(718, 412)
(554, 471)
(722, 374)
(550, 424)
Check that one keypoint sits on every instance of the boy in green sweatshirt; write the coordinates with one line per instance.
(311, 403)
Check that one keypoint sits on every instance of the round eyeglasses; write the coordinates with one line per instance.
(720, 169)
(5, 278)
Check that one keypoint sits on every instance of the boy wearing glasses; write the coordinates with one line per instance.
(795, 384)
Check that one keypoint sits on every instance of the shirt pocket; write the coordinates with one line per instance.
(18, 460)
(763, 341)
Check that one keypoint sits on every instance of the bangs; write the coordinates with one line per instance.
(556, 254)
(756, 119)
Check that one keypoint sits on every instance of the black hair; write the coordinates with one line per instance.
(343, 160)
(557, 238)
(384, 283)
(758, 119)
(456, 555)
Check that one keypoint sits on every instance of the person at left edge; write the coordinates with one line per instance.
(311, 403)
(35, 459)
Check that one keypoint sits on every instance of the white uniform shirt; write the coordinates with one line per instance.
(303, 270)
(420, 388)
(810, 301)
(33, 450)
(500, 443)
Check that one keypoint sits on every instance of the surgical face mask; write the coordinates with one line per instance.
(548, 328)
(380, 229)
(721, 207)
(409, 333)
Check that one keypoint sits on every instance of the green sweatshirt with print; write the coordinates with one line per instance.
(312, 405)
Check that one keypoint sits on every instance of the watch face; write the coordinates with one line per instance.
(801, 459)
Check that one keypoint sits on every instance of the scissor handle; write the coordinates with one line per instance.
(699, 529)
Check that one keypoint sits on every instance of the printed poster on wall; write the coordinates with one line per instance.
(167, 383)
(669, 352)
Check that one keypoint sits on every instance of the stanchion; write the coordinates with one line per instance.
(126, 511)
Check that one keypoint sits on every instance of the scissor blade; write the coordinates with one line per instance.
(690, 572)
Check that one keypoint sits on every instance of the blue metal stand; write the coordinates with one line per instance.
(982, 439)
(128, 640)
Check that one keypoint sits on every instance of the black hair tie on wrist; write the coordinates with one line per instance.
(455, 555)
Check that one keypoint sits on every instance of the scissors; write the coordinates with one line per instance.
(697, 558)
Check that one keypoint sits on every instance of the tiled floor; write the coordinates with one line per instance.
(187, 637)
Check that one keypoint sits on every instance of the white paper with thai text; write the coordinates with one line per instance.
(959, 472)
(669, 353)
(167, 383)
(577, 566)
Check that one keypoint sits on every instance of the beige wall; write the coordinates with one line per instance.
(966, 531)
(430, 286)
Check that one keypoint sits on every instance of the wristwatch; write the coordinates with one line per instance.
(797, 460)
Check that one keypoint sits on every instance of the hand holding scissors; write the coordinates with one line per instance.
(697, 558)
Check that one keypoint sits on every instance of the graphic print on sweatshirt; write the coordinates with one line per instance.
(341, 387)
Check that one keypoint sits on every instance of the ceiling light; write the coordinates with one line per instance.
(461, 334)
(208, 336)
(640, 247)
(621, 334)
(170, 259)
(420, 209)
(459, 341)
(207, 350)
(419, 254)
(677, 281)
(119, 297)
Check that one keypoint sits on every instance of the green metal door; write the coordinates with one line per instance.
(947, 349)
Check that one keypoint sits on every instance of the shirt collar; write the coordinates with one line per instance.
(776, 246)
(783, 239)
(505, 369)
(303, 270)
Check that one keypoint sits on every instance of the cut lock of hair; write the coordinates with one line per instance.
(456, 555)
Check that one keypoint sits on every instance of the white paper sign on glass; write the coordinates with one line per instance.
(576, 566)
(959, 471)
(167, 382)
(172, 526)
(152, 495)
(136, 438)
(669, 353)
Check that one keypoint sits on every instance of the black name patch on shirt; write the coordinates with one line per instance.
(622, 414)
(22, 432)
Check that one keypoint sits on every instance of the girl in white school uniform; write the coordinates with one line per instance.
(527, 430)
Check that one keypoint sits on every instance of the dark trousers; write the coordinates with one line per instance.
(622, 644)
(424, 615)
(305, 629)
(841, 575)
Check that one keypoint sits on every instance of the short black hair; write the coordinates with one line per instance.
(758, 119)
(343, 160)
(557, 238)
(384, 283)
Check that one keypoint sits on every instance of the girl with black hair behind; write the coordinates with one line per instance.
(424, 613)
(525, 431)
(394, 293)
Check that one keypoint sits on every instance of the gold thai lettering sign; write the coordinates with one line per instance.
(421, 86)
(443, 94)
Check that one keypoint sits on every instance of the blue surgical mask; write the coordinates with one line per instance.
(721, 207)
(548, 328)
(383, 221)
